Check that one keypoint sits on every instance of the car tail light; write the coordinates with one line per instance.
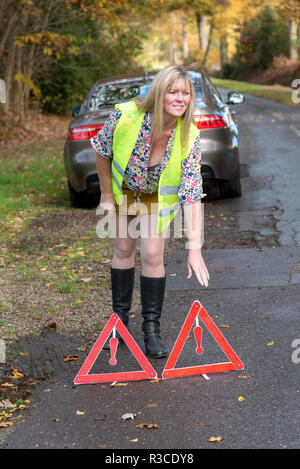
(84, 132)
(209, 121)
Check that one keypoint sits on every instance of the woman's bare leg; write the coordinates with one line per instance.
(124, 244)
(152, 248)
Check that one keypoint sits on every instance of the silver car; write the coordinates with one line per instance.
(219, 135)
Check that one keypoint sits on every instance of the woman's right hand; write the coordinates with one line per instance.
(107, 203)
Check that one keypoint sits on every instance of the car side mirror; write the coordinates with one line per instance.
(234, 97)
(75, 111)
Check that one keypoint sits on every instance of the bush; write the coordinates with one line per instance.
(262, 38)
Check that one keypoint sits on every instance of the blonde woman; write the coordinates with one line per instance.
(148, 162)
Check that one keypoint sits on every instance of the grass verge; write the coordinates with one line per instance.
(274, 92)
(53, 267)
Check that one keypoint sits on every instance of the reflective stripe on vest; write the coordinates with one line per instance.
(169, 190)
(124, 140)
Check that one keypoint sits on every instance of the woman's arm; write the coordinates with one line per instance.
(193, 224)
(102, 144)
(190, 194)
(107, 200)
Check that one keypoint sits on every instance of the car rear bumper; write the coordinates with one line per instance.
(80, 165)
(219, 164)
(219, 153)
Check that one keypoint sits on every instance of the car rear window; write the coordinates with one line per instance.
(107, 95)
(113, 93)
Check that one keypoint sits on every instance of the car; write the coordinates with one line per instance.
(213, 116)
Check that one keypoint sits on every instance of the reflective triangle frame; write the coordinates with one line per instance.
(83, 376)
(234, 364)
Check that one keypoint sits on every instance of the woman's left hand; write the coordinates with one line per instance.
(197, 265)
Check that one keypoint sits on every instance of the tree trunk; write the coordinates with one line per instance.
(7, 31)
(19, 92)
(9, 73)
(208, 45)
(293, 39)
(171, 39)
(185, 46)
(223, 52)
(28, 69)
(202, 30)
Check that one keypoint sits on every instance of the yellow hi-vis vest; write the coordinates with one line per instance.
(124, 140)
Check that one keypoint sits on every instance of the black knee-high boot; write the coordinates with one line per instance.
(152, 297)
(122, 284)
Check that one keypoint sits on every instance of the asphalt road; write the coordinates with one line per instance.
(254, 300)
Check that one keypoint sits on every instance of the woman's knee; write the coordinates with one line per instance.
(152, 254)
(124, 250)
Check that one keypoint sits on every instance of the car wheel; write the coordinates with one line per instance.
(81, 199)
(231, 187)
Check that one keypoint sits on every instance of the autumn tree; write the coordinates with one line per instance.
(50, 49)
(262, 38)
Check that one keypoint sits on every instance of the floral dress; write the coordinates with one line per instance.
(138, 175)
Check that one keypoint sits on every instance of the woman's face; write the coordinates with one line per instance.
(177, 99)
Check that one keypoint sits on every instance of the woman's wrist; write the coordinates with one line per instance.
(194, 249)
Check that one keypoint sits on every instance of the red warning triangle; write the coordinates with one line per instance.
(197, 311)
(83, 376)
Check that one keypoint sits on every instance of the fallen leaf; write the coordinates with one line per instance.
(80, 253)
(241, 399)
(156, 380)
(147, 425)
(7, 404)
(8, 385)
(71, 358)
(16, 373)
(151, 405)
(199, 424)
(270, 343)
(216, 438)
(6, 424)
(121, 384)
(243, 376)
(86, 280)
(54, 420)
(51, 325)
(224, 325)
(78, 412)
(134, 441)
(128, 416)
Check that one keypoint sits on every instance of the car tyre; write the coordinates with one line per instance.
(231, 187)
(81, 199)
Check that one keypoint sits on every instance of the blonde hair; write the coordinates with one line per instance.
(154, 100)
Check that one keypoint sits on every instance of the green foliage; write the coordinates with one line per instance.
(262, 39)
(96, 54)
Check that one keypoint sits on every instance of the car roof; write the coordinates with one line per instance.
(125, 79)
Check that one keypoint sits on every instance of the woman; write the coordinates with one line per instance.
(148, 160)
